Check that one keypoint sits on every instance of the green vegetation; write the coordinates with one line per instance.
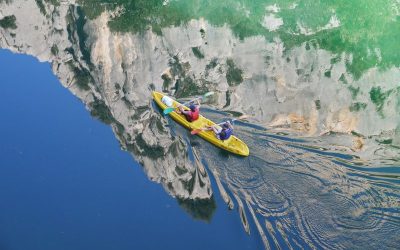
(327, 73)
(197, 52)
(180, 171)
(54, 2)
(152, 152)
(213, 63)
(357, 106)
(299, 71)
(357, 134)
(99, 110)
(77, 35)
(139, 111)
(178, 68)
(385, 141)
(228, 98)
(54, 49)
(127, 102)
(234, 75)
(8, 22)
(82, 76)
(378, 97)
(186, 86)
(336, 59)
(80, 22)
(367, 30)
(343, 79)
(318, 104)
(354, 91)
(117, 86)
(203, 33)
(41, 6)
(199, 209)
(166, 81)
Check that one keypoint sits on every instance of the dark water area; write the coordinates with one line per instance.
(65, 183)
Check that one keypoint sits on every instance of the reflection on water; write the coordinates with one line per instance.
(294, 74)
(304, 196)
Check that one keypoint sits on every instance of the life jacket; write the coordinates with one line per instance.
(227, 133)
(193, 115)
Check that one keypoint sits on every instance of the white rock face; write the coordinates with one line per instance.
(94, 80)
(113, 73)
(271, 22)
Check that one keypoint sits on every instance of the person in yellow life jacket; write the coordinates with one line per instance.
(193, 113)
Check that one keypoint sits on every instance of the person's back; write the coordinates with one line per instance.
(225, 133)
(193, 114)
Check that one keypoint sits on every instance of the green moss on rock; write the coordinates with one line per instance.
(354, 91)
(197, 52)
(234, 75)
(318, 104)
(99, 109)
(199, 209)
(40, 4)
(357, 106)
(166, 81)
(378, 97)
(8, 22)
(82, 76)
(54, 49)
(328, 73)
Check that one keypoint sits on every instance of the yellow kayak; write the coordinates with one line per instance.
(233, 144)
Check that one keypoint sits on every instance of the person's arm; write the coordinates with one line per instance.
(182, 110)
(229, 124)
(198, 103)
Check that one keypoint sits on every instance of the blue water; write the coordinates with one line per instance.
(65, 183)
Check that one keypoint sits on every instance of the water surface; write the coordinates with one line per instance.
(65, 183)
(319, 82)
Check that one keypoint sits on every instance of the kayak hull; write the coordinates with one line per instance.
(233, 144)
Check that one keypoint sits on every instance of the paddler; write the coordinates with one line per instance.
(193, 113)
(224, 132)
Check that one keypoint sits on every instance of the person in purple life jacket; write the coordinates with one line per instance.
(192, 114)
(224, 132)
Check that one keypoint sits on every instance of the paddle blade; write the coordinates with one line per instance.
(208, 94)
(195, 131)
(240, 118)
(168, 110)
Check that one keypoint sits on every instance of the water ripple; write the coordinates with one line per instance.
(301, 196)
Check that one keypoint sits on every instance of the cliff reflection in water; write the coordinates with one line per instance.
(109, 95)
(342, 193)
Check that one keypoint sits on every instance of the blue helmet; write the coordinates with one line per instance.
(192, 107)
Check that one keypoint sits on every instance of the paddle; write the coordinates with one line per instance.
(169, 110)
(196, 131)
